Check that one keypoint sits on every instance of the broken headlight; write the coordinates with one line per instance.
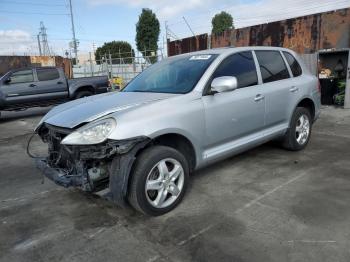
(93, 133)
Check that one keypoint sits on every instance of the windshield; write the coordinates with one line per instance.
(177, 75)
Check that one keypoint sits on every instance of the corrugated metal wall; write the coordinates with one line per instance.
(14, 62)
(306, 34)
(188, 44)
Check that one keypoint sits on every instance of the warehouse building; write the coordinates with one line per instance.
(322, 40)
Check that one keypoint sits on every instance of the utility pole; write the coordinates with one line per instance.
(39, 45)
(91, 66)
(73, 30)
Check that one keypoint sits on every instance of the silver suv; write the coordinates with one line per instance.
(181, 114)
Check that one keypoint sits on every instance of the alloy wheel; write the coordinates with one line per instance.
(164, 183)
(302, 130)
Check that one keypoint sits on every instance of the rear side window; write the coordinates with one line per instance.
(23, 76)
(293, 64)
(272, 66)
(240, 65)
(46, 74)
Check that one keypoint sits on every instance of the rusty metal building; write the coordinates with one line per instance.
(14, 62)
(305, 35)
(189, 44)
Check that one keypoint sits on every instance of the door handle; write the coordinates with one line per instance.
(32, 85)
(59, 83)
(259, 97)
(294, 89)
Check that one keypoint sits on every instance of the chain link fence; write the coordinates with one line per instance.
(119, 70)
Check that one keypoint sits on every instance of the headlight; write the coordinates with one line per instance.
(93, 133)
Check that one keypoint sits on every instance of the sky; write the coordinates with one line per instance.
(99, 21)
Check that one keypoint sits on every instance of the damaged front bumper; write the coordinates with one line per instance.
(57, 175)
(91, 168)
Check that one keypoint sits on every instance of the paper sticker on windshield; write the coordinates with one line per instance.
(200, 57)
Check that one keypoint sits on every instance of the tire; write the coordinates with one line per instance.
(147, 169)
(294, 140)
(84, 93)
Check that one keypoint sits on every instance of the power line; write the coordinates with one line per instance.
(28, 13)
(30, 3)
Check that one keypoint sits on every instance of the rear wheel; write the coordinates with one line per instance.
(83, 93)
(159, 180)
(299, 132)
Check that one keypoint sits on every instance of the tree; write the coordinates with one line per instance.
(222, 22)
(147, 34)
(117, 49)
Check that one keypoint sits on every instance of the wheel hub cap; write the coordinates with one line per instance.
(164, 183)
(302, 130)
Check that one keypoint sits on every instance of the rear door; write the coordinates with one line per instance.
(51, 83)
(236, 114)
(277, 86)
(19, 88)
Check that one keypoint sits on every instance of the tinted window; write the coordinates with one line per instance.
(46, 74)
(272, 66)
(177, 75)
(23, 76)
(240, 65)
(293, 64)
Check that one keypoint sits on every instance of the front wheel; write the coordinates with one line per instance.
(159, 180)
(299, 132)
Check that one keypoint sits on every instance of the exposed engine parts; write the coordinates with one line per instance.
(89, 167)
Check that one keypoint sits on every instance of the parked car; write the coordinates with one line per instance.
(179, 115)
(43, 86)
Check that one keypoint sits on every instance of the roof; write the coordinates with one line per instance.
(227, 50)
(33, 67)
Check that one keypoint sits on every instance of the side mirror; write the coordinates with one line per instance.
(8, 80)
(224, 84)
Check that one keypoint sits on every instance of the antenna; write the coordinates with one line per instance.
(197, 41)
(189, 27)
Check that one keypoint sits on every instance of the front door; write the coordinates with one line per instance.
(19, 87)
(231, 116)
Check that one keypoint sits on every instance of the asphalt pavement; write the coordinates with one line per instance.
(266, 204)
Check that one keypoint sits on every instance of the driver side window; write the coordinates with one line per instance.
(23, 76)
(242, 66)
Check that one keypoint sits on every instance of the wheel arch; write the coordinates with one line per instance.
(84, 88)
(179, 142)
(74, 90)
(308, 103)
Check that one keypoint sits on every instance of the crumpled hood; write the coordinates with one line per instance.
(84, 110)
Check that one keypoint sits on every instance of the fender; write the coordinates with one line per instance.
(193, 140)
(298, 102)
(74, 87)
